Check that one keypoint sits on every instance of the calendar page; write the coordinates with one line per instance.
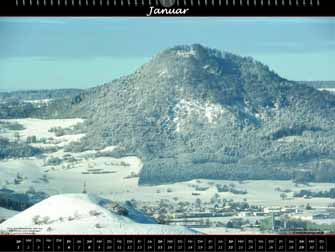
(164, 123)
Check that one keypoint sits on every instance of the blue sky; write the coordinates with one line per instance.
(48, 53)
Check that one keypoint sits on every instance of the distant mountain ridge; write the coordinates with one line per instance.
(38, 94)
(319, 84)
(195, 112)
(29, 103)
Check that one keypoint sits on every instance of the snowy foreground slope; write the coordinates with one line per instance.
(82, 214)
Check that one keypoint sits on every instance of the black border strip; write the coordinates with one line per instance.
(142, 7)
(265, 243)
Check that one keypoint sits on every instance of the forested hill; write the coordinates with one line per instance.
(195, 112)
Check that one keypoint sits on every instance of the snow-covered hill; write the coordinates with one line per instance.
(82, 214)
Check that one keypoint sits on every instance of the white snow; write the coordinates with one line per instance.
(210, 69)
(186, 53)
(186, 107)
(41, 127)
(332, 90)
(276, 106)
(290, 139)
(108, 149)
(38, 102)
(164, 73)
(261, 115)
(81, 214)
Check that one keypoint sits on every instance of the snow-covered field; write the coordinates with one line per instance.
(332, 90)
(101, 174)
(70, 177)
(40, 127)
(110, 177)
(81, 214)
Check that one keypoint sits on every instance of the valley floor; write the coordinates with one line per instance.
(60, 172)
